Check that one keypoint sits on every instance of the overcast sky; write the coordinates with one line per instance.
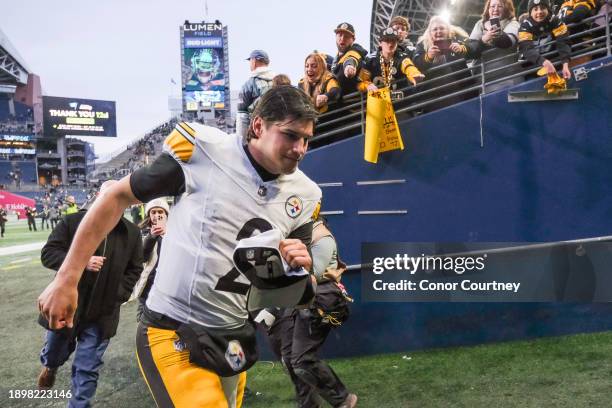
(128, 50)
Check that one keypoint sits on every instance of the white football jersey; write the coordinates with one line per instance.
(225, 201)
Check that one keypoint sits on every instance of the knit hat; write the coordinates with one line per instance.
(158, 202)
(399, 20)
(543, 3)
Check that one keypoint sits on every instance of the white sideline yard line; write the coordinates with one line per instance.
(17, 249)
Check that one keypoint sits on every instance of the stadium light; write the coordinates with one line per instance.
(445, 14)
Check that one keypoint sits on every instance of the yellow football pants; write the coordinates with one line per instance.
(174, 381)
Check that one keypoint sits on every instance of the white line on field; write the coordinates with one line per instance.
(20, 260)
(17, 249)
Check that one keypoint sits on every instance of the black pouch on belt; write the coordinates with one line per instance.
(225, 352)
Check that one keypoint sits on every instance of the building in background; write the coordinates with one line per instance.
(19, 106)
(80, 157)
(34, 150)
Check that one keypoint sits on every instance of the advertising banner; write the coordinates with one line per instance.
(15, 203)
(12, 144)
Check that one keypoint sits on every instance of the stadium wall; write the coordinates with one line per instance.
(543, 173)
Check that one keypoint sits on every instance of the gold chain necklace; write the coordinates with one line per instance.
(386, 68)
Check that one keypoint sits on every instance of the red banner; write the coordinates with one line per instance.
(15, 203)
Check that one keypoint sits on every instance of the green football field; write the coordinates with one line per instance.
(569, 371)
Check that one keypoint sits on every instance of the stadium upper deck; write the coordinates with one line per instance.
(13, 70)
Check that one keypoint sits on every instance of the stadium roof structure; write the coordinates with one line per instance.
(13, 70)
(463, 13)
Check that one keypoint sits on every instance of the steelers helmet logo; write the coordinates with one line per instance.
(234, 355)
(393, 71)
(344, 26)
(179, 345)
(293, 206)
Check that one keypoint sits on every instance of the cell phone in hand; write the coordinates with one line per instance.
(443, 45)
(495, 22)
(160, 221)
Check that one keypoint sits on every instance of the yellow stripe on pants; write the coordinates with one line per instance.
(187, 384)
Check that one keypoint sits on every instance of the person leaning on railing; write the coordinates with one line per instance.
(574, 11)
(346, 66)
(441, 43)
(542, 27)
(318, 83)
(493, 41)
(441, 52)
(388, 65)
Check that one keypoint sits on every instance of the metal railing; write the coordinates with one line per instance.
(332, 124)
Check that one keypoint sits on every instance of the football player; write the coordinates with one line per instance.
(206, 67)
(195, 340)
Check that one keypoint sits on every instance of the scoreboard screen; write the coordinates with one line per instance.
(78, 117)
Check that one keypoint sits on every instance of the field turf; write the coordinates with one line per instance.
(569, 371)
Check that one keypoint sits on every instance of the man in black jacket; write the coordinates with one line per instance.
(106, 283)
(30, 214)
(346, 67)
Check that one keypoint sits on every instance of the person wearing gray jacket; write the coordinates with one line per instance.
(259, 82)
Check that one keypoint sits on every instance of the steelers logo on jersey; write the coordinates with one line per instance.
(293, 206)
(234, 355)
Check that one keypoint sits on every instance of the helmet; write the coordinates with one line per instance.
(204, 61)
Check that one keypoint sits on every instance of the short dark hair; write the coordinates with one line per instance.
(280, 103)
(281, 79)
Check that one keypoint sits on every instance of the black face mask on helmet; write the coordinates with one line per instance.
(273, 282)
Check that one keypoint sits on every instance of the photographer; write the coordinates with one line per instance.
(154, 228)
